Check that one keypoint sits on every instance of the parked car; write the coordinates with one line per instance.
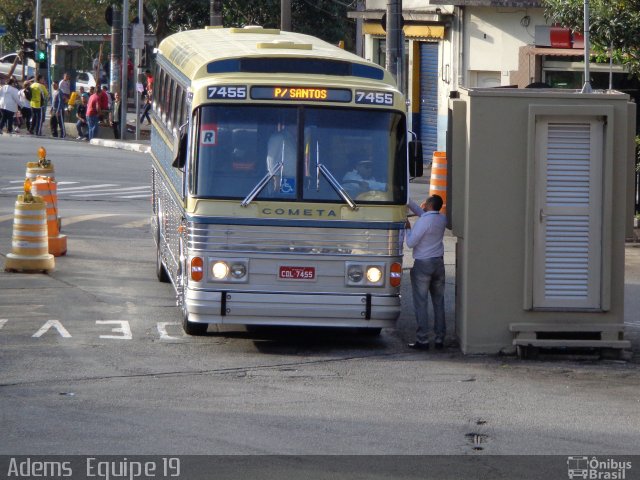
(86, 80)
(6, 62)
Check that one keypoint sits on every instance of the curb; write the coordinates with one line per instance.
(122, 145)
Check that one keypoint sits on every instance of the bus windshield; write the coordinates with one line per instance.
(295, 147)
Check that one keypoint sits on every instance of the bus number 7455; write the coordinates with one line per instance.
(237, 92)
(374, 98)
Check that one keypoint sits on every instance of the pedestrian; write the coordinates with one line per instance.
(81, 113)
(145, 110)
(93, 114)
(105, 104)
(25, 105)
(57, 111)
(428, 272)
(39, 97)
(146, 95)
(114, 116)
(149, 82)
(9, 101)
(65, 87)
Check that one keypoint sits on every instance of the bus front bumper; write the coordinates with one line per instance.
(332, 310)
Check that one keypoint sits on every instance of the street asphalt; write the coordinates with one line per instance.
(419, 190)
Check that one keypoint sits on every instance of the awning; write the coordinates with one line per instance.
(410, 31)
(554, 52)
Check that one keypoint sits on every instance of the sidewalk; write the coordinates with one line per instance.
(105, 135)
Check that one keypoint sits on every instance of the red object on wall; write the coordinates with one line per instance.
(560, 37)
(578, 40)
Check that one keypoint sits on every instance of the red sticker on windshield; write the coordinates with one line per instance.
(209, 135)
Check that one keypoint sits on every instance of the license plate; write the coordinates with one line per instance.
(297, 273)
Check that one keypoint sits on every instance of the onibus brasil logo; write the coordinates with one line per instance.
(597, 469)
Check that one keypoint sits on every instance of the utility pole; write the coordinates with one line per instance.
(586, 88)
(394, 47)
(38, 7)
(125, 64)
(116, 59)
(285, 15)
(215, 12)
(138, 71)
(359, 22)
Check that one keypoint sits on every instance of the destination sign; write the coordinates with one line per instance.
(312, 94)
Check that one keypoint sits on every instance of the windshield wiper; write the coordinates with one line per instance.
(261, 184)
(335, 184)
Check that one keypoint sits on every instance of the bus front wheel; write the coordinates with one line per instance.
(193, 328)
(369, 332)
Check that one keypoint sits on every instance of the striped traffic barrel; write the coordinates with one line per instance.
(47, 189)
(34, 169)
(438, 182)
(29, 242)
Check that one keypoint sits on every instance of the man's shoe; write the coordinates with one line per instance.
(439, 345)
(419, 346)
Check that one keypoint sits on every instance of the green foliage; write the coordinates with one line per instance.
(612, 23)
(326, 19)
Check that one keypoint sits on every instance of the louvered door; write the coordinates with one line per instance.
(568, 223)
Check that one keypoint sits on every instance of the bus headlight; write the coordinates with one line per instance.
(374, 274)
(238, 270)
(362, 274)
(220, 270)
(228, 270)
(355, 273)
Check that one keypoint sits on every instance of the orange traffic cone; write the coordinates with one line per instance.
(29, 241)
(47, 189)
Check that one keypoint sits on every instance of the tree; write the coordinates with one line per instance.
(326, 19)
(612, 24)
(68, 16)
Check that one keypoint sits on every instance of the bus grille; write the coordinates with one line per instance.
(294, 240)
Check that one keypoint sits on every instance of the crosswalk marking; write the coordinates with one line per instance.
(86, 187)
(72, 189)
(111, 192)
(83, 218)
(136, 196)
(66, 221)
(136, 224)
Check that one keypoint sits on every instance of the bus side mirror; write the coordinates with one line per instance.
(180, 150)
(415, 159)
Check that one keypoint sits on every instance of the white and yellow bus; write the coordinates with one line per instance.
(280, 180)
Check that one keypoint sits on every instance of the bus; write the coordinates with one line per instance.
(279, 180)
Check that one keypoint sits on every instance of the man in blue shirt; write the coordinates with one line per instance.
(428, 273)
(57, 112)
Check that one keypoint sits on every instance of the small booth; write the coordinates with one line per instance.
(540, 198)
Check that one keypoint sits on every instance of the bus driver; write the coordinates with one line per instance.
(361, 179)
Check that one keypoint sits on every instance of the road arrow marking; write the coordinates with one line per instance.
(55, 324)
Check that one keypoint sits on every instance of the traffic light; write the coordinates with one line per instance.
(29, 48)
(41, 56)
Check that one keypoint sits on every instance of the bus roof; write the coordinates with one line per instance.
(197, 53)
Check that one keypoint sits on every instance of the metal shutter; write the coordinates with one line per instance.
(567, 251)
(428, 99)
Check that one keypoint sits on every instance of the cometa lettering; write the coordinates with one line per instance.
(299, 212)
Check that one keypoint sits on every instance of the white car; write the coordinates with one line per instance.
(6, 62)
(86, 80)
